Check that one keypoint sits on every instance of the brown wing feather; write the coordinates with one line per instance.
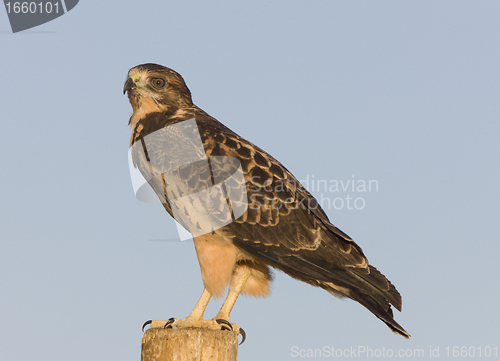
(287, 228)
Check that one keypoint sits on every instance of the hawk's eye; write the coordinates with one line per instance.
(158, 83)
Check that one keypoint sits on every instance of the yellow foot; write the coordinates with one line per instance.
(213, 324)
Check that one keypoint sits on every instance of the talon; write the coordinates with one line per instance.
(169, 323)
(243, 336)
(223, 322)
(145, 324)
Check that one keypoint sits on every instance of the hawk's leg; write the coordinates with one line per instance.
(240, 277)
(201, 305)
(195, 318)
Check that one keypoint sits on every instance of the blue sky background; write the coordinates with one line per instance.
(405, 93)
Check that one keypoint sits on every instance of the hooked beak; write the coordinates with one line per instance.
(129, 85)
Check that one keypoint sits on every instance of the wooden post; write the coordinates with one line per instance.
(189, 344)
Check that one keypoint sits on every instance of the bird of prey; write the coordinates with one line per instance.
(282, 225)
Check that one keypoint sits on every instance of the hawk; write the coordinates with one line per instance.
(282, 225)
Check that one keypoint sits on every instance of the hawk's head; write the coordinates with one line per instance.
(155, 88)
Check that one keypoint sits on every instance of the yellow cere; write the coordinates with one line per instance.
(135, 77)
